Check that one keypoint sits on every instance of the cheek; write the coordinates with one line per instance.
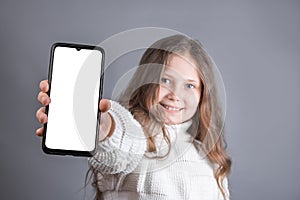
(162, 92)
(197, 96)
(194, 97)
(193, 102)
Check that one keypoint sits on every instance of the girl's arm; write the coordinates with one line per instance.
(123, 147)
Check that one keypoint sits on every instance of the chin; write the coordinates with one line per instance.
(173, 122)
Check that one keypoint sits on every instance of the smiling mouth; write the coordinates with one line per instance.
(171, 108)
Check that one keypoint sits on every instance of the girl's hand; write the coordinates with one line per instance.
(106, 121)
(44, 99)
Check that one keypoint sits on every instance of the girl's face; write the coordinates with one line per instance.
(179, 92)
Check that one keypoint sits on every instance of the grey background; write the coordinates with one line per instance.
(255, 44)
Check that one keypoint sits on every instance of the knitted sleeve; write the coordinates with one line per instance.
(124, 149)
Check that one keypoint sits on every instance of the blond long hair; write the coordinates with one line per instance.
(141, 95)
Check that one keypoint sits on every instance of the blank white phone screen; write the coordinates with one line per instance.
(72, 114)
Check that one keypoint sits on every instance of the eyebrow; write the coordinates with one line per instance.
(193, 81)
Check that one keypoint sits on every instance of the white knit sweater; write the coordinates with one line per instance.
(125, 171)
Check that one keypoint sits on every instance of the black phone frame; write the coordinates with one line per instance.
(73, 152)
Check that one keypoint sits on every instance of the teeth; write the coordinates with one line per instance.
(171, 108)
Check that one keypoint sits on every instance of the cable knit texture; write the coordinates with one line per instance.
(126, 172)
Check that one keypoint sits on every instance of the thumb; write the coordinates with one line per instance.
(104, 105)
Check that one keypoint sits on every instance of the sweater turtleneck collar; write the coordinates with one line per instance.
(179, 132)
(183, 127)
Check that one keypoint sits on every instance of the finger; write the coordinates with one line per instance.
(40, 131)
(43, 98)
(44, 85)
(104, 105)
(41, 115)
(105, 126)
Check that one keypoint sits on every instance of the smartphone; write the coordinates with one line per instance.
(75, 87)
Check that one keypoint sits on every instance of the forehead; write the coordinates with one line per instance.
(183, 66)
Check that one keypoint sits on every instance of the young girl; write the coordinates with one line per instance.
(162, 139)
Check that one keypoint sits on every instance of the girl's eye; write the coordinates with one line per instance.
(165, 80)
(190, 86)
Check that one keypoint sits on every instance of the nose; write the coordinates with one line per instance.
(174, 94)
